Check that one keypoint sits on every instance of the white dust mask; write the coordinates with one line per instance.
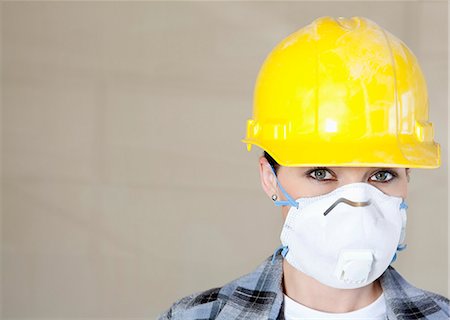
(346, 238)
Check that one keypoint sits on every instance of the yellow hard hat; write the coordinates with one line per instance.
(343, 92)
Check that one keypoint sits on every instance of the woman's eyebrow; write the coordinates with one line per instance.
(331, 168)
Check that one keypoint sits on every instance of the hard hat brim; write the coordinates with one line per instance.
(292, 153)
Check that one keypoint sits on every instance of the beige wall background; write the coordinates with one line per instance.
(124, 182)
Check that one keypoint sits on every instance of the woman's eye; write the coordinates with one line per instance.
(321, 174)
(382, 176)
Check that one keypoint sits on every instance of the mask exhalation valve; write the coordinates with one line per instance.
(354, 265)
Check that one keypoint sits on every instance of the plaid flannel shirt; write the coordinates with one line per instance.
(259, 295)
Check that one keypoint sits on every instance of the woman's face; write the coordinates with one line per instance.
(313, 181)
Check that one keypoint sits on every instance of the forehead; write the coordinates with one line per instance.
(350, 169)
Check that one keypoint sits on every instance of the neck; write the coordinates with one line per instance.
(315, 295)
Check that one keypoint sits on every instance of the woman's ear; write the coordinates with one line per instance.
(268, 181)
(408, 170)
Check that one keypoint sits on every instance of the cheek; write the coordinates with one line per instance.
(397, 189)
(305, 187)
(403, 190)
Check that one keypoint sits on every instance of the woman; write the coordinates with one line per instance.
(341, 113)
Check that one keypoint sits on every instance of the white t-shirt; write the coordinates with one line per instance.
(295, 311)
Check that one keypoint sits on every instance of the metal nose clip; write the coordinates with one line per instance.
(349, 202)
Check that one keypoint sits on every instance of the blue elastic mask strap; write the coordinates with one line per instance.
(290, 201)
(284, 251)
(403, 205)
(400, 247)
